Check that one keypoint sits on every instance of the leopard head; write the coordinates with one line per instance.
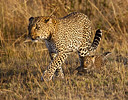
(89, 61)
(41, 28)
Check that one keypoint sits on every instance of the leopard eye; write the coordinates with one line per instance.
(87, 62)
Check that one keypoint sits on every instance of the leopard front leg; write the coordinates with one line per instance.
(82, 52)
(54, 65)
(52, 55)
(59, 71)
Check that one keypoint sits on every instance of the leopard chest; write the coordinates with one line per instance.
(51, 46)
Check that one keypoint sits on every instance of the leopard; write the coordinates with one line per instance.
(93, 62)
(63, 36)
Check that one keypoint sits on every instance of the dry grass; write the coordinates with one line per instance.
(22, 64)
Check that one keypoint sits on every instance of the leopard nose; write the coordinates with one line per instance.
(32, 38)
(37, 37)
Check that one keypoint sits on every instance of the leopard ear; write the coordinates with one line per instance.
(106, 54)
(48, 20)
(31, 18)
(93, 58)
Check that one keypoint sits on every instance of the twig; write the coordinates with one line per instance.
(102, 15)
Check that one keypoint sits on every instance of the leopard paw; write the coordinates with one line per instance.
(47, 76)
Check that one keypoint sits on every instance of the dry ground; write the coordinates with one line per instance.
(22, 64)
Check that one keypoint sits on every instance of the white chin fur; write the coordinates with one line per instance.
(35, 40)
